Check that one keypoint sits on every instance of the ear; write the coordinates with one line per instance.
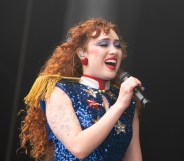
(80, 52)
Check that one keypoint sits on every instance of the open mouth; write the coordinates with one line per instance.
(111, 63)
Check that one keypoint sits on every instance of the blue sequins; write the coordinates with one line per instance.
(113, 148)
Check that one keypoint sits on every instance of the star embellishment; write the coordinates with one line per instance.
(93, 104)
(91, 92)
(119, 127)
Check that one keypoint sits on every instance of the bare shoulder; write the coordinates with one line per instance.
(57, 97)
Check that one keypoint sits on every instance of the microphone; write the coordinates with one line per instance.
(137, 91)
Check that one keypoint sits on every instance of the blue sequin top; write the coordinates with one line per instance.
(88, 105)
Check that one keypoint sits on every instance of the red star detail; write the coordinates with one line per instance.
(93, 104)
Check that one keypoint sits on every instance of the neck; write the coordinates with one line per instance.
(95, 82)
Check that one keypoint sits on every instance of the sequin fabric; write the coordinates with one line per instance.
(115, 145)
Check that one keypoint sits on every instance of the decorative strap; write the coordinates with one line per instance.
(95, 82)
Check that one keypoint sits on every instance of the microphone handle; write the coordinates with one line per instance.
(137, 90)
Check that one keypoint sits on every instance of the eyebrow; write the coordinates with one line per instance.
(108, 39)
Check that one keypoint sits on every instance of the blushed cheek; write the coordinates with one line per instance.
(93, 51)
(121, 56)
(120, 59)
(95, 55)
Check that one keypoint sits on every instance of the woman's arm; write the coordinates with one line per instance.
(65, 125)
(134, 150)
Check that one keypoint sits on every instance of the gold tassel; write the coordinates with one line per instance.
(42, 88)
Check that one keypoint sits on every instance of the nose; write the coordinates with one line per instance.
(113, 50)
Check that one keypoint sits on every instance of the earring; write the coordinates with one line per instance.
(84, 61)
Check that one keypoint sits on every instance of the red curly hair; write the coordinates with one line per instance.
(64, 62)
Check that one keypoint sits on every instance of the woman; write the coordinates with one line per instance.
(77, 109)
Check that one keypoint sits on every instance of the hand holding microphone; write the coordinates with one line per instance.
(137, 91)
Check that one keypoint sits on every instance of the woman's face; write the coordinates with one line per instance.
(104, 56)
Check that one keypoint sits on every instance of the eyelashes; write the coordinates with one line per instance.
(103, 43)
(117, 44)
(106, 43)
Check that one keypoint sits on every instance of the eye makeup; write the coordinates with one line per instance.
(107, 42)
(103, 42)
(117, 44)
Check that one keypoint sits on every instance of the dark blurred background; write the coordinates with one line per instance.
(31, 29)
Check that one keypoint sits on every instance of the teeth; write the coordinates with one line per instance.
(110, 61)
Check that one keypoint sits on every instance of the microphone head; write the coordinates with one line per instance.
(123, 76)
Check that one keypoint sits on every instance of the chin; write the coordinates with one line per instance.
(110, 76)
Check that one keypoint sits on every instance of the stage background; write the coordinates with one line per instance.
(31, 29)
